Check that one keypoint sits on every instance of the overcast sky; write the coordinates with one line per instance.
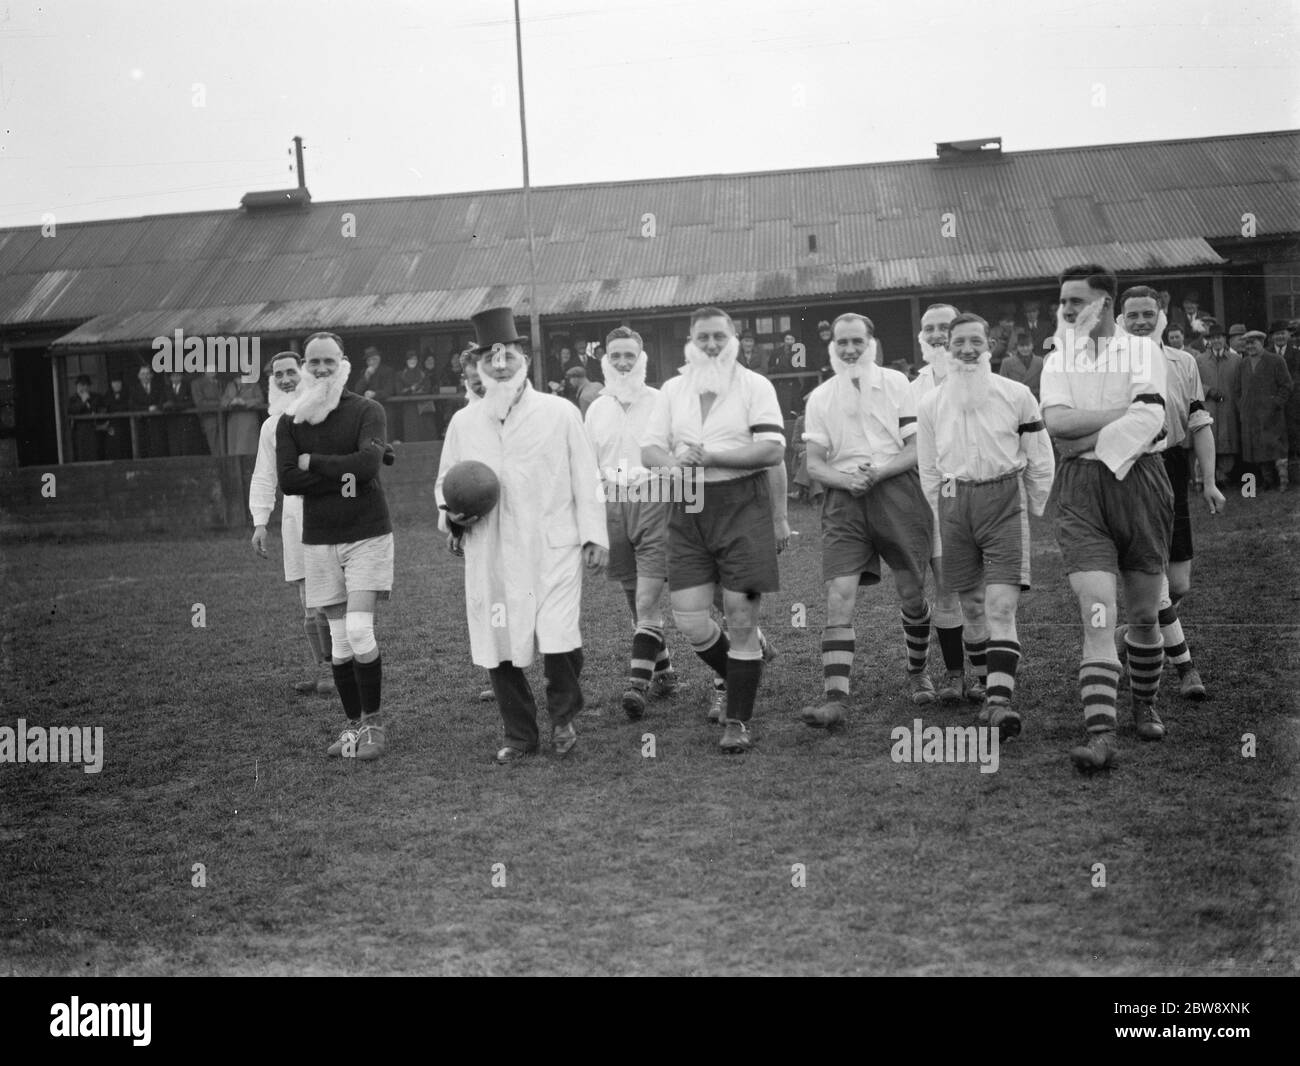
(115, 108)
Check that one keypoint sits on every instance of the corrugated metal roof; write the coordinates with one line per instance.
(739, 237)
(585, 296)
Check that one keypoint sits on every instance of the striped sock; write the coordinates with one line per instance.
(1145, 662)
(950, 644)
(837, 659)
(647, 642)
(1003, 658)
(663, 661)
(916, 631)
(714, 651)
(977, 651)
(1176, 649)
(1098, 685)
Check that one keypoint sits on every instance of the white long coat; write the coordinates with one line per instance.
(523, 562)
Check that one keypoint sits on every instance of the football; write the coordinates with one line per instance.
(471, 488)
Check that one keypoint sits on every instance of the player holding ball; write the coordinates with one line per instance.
(524, 556)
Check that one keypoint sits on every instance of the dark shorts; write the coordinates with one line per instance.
(1106, 524)
(729, 540)
(984, 530)
(892, 522)
(638, 541)
(1178, 467)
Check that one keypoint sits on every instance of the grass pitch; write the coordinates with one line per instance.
(608, 862)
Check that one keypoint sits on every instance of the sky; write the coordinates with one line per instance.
(120, 108)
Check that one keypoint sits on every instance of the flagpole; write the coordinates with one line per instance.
(534, 319)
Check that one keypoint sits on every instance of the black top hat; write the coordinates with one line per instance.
(496, 325)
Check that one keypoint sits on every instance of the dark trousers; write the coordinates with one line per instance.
(519, 709)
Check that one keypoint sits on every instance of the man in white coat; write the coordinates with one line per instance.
(284, 372)
(524, 559)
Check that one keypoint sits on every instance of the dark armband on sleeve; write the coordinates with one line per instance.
(1150, 397)
(906, 420)
(1031, 427)
(1196, 406)
(767, 427)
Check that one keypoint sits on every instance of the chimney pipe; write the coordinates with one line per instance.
(302, 177)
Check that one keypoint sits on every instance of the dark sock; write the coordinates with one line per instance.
(743, 676)
(345, 680)
(368, 680)
(715, 655)
(954, 656)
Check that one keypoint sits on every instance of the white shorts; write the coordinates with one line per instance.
(334, 570)
(291, 536)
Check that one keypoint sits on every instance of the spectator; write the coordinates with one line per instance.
(206, 394)
(376, 382)
(1002, 336)
(806, 489)
(146, 395)
(751, 357)
(1023, 364)
(782, 362)
(411, 382)
(1236, 338)
(819, 358)
(183, 434)
(1189, 319)
(1174, 337)
(86, 444)
(117, 432)
(1282, 340)
(1263, 387)
(243, 399)
(1038, 325)
(578, 356)
(556, 366)
(1219, 366)
(581, 391)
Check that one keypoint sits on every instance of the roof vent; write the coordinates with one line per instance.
(969, 151)
(255, 202)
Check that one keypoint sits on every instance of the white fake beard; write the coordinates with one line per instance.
(499, 396)
(969, 385)
(707, 373)
(854, 379)
(316, 398)
(935, 357)
(624, 387)
(471, 396)
(1080, 329)
(277, 400)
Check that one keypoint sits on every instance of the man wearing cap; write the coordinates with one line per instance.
(1281, 341)
(1237, 337)
(1023, 363)
(284, 373)
(1263, 388)
(957, 641)
(637, 504)
(985, 462)
(720, 425)
(524, 559)
(861, 428)
(1103, 403)
(1189, 319)
(1218, 367)
(329, 449)
(581, 391)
